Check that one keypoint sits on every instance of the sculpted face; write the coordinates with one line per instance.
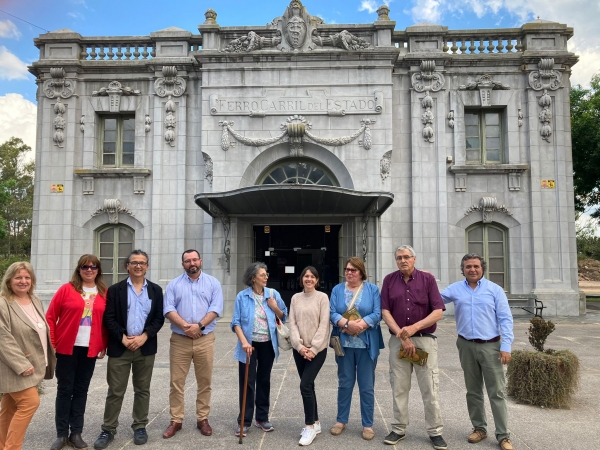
(296, 31)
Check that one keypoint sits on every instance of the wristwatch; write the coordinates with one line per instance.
(346, 324)
(202, 327)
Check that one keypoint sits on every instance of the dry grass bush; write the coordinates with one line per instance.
(546, 378)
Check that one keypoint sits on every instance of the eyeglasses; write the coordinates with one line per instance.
(189, 261)
(263, 275)
(348, 269)
(86, 267)
(405, 258)
(137, 264)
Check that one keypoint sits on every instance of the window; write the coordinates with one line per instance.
(489, 241)
(114, 244)
(299, 171)
(118, 141)
(483, 134)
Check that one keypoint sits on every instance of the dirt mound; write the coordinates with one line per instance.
(589, 270)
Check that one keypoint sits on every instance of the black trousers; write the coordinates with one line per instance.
(308, 371)
(259, 383)
(73, 375)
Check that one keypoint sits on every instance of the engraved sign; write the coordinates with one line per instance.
(276, 103)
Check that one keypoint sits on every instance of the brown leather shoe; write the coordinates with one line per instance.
(505, 444)
(204, 427)
(476, 436)
(173, 428)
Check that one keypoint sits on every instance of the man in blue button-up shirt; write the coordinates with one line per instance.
(484, 325)
(193, 301)
(133, 317)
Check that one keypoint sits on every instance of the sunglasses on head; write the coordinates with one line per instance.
(90, 267)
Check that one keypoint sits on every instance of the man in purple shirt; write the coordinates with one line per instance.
(411, 305)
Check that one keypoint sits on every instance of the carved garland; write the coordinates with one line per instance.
(488, 205)
(208, 168)
(59, 124)
(112, 206)
(365, 221)
(226, 222)
(58, 85)
(427, 117)
(385, 165)
(147, 123)
(170, 122)
(545, 116)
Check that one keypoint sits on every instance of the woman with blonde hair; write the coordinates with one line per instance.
(75, 318)
(26, 356)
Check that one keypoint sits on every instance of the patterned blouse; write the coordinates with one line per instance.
(353, 341)
(260, 330)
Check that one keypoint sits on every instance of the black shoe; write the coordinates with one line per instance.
(438, 442)
(59, 443)
(393, 438)
(140, 437)
(76, 441)
(104, 439)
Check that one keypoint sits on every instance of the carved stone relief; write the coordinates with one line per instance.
(139, 185)
(114, 91)
(427, 117)
(170, 122)
(59, 123)
(208, 168)
(147, 123)
(427, 79)
(514, 181)
(488, 205)
(295, 129)
(169, 83)
(545, 77)
(451, 119)
(485, 84)
(58, 85)
(344, 40)
(82, 123)
(226, 222)
(460, 182)
(545, 116)
(112, 207)
(251, 42)
(385, 165)
(365, 222)
(520, 118)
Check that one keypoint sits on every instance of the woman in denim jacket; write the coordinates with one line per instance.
(255, 311)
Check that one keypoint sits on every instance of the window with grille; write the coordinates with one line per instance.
(118, 141)
(489, 241)
(298, 171)
(483, 135)
(113, 245)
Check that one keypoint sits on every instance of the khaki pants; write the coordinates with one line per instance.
(16, 411)
(183, 351)
(428, 379)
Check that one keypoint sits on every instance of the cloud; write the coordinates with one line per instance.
(427, 10)
(76, 15)
(368, 5)
(11, 67)
(19, 118)
(9, 30)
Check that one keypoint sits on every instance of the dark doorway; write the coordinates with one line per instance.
(288, 249)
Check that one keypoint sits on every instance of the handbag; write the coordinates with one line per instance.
(419, 358)
(351, 313)
(283, 334)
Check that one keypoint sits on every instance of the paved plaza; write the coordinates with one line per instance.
(531, 427)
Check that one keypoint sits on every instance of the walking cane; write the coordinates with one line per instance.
(244, 398)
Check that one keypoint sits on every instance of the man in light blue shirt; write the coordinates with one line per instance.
(484, 325)
(192, 303)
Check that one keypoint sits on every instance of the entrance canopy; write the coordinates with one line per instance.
(294, 200)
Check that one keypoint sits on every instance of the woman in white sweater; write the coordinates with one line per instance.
(309, 331)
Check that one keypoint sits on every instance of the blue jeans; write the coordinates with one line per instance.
(73, 375)
(355, 365)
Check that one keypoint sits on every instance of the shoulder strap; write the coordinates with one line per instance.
(351, 305)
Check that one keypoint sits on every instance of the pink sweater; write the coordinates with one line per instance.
(309, 321)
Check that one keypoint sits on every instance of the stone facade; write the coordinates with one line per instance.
(384, 110)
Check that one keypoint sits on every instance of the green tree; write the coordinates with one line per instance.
(16, 181)
(585, 134)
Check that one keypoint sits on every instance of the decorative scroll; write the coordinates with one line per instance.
(385, 165)
(251, 42)
(170, 122)
(488, 205)
(59, 124)
(485, 84)
(451, 119)
(545, 116)
(344, 39)
(428, 79)
(224, 218)
(169, 83)
(114, 91)
(82, 123)
(208, 168)
(147, 123)
(427, 117)
(112, 207)
(58, 85)
(545, 77)
(365, 220)
(296, 128)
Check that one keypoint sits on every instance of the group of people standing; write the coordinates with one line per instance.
(86, 320)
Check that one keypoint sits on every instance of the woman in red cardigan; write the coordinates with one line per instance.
(79, 338)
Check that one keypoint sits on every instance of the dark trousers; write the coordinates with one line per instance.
(259, 383)
(73, 375)
(308, 371)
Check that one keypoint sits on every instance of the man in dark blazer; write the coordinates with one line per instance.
(133, 317)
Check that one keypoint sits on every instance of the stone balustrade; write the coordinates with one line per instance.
(507, 40)
(123, 49)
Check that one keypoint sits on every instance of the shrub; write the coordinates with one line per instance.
(538, 332)
(6, 262)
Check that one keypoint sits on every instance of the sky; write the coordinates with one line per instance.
(23, 20)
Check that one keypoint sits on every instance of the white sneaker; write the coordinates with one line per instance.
(317, 426)
(308, 435)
